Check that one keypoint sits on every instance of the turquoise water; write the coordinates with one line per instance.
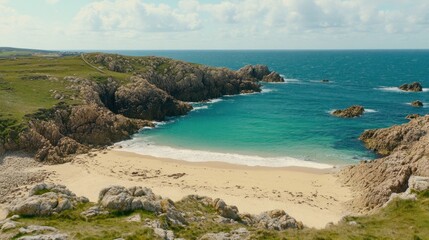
(291, 121)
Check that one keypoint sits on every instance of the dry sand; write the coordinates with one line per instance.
(312, 196)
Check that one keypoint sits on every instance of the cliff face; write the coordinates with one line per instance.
(406, 153)
(112, 110)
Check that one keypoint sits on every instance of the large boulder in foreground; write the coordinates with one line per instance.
(411, 87)
(46, 199)
(406, 153)
(143, 100)
(351, 112)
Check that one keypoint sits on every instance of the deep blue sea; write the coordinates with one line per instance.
(290, 123)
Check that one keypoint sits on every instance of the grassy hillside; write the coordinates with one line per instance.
(30, 83)
(400, 220)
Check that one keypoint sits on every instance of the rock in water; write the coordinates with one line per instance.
(417, 103)
(411, 87)
(273, 77)
(353, 111)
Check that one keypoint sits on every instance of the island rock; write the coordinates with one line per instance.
(411, 87)
(417, 103)
(353, 111)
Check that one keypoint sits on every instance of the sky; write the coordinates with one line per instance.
(214, 24)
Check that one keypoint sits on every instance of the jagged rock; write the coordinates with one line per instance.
(57, 236)
(412, 116)
(121, 199)
(411, 87)
(353, 111)
(227, 211)
(238, 234)
(45, 199)
(273, 77)
(93, 212)
(277, 220)
(143, 100)
(417, 103)
(257, 72)
(406, 154)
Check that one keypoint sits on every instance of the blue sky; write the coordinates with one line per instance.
(214, 24)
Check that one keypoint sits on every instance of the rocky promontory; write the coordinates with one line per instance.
(350, 112)
(411, 87)
(99, 111)
(405, 152)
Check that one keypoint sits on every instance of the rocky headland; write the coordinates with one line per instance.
(110, 109)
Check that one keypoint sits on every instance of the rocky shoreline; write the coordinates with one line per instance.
(113, 110)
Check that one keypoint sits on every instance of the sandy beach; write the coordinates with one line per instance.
(312, 196)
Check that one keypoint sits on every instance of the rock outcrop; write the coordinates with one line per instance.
(351, 112)
(417, 103)
(118, 198)
(412, 116)
(259, 73)
(411, 87)
(406, 154)
(46, 199)
(273, 77)
(157, 103)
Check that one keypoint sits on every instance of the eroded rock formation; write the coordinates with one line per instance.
(351, 112)
(411, 87)
(406, 153)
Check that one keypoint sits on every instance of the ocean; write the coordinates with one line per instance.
(289, 124)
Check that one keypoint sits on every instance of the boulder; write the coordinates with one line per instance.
(44, 200)
(224, 210)
(351, 112)
(277, 220)
(121, 199)
(273, 77)
(411, 87)
(417, 103)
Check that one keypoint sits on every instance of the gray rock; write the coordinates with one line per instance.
(277, 220)
(225, 210)
(134, 218)
(164, 234)
(57, 236)
(43, 200)
(418, 183)
(122, 199)
(9, 225)
(94, 211)
(36, 229)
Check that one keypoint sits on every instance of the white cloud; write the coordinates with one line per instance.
(135, 15)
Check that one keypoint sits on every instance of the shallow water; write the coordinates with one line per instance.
(291, 121)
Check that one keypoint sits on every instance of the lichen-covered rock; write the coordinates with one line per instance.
(238, 234)
(411, 87)
(227, 211)
(118, 198)
(277, 220)
(406, 154)
(44, 200)
(350, 112)
(417, 103)
(55, 236)
(93, 212)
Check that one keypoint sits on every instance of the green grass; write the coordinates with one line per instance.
(27, 85)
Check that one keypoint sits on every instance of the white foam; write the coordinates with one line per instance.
(199, 108)
(396, 89)
(140, 146)
(267, 90)
(216, 100)
(368, 110)
(291, 80)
